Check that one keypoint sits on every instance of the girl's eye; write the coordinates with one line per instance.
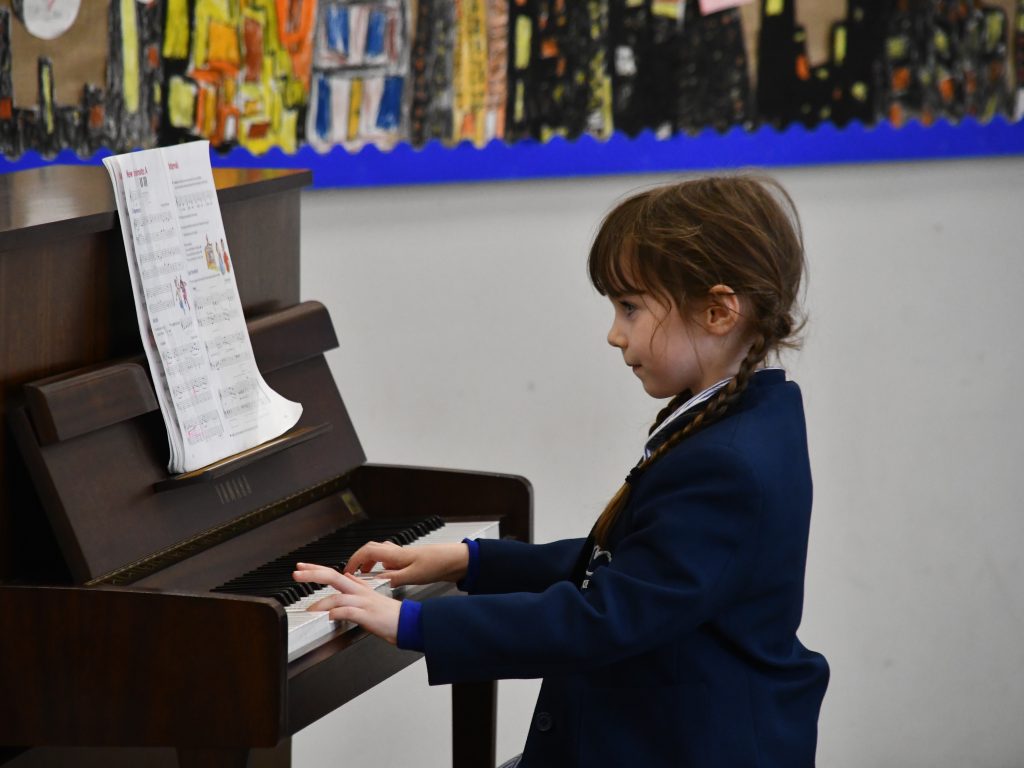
(628, 307)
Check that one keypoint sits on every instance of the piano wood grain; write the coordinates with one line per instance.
(110, 666)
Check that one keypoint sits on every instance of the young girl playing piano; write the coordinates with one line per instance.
(668, 636)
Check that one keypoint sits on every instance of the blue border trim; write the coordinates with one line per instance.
(587, 156)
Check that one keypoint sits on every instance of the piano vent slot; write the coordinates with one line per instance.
(233, 489)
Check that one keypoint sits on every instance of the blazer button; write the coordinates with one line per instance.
(543, 721)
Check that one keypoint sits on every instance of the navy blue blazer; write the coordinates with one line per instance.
(678, 647)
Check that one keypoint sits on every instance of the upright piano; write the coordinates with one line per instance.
(131, 629)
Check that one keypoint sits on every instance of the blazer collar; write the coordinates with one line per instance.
(763, 377)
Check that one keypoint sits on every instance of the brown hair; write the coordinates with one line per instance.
(678, 241)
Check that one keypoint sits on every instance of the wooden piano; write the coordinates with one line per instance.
(116, 645)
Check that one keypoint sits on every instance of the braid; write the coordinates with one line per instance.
(669, 409)
(715, 409)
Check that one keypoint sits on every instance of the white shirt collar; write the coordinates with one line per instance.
(692, 403)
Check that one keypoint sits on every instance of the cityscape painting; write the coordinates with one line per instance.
(322, 80)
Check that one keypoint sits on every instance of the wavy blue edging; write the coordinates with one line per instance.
(796, 145)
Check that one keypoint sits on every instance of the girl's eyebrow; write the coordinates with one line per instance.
(617, 295)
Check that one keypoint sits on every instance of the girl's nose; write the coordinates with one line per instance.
(615, 336)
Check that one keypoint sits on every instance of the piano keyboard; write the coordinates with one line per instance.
(307, 629)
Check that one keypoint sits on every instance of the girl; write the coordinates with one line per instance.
(668, 636)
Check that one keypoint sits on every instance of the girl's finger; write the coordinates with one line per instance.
(313, 574)
(345, 613)
(363, 564)
(392, 576)
(313, 567)
(327, 576)
(344, 583)
(324, 604)
(307, 575)
(337, 601)
(365, 557)
(360, 584)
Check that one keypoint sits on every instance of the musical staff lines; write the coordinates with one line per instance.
(203, 427)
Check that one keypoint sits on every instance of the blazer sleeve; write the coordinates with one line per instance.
(514, 566)
(692, 538)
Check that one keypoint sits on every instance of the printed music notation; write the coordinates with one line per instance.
(203, 427)
(196, 200)
(182, 360)
(160, 254)
(240, 398)
(156, 291)
(214, 401)
(150, 236)
(228, 360)
(225, 343)
(142, 221)
(192, 392)
(164, 269)
(214, 298)
(162, 304)
(216, 317)
(136, 196)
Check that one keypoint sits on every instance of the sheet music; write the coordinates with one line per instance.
(214, 400)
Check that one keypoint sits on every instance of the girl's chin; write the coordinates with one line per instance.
(656, 393)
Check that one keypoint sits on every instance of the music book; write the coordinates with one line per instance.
(213, 398)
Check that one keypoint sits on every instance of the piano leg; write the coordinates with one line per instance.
(474, 707)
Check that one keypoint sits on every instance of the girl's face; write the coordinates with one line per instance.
(661, 347)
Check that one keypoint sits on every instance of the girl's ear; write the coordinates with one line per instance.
(721, 314)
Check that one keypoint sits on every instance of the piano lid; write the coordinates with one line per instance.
(79, 199)
(96, 446)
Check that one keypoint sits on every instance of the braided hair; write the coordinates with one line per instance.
(678, 241)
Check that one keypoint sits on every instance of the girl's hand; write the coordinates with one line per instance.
(356, 602)
(423, 564)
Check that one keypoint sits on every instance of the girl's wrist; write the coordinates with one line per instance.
(458, 562)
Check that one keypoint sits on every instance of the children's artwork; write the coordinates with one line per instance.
(47, 19)
(714, 6)
(398, 91)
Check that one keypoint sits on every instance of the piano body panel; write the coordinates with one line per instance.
(340, 670)
(392, 490)
(151, 757)
(88, 481)
(240, 554)
(110, 666)
(263, 234)
(45, 328)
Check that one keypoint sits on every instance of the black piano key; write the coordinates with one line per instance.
(274, 578)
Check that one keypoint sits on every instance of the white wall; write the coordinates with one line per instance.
(470, 337)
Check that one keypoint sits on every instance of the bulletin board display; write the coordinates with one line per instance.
(372, 92)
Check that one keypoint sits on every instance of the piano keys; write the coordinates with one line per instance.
(307, 629)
